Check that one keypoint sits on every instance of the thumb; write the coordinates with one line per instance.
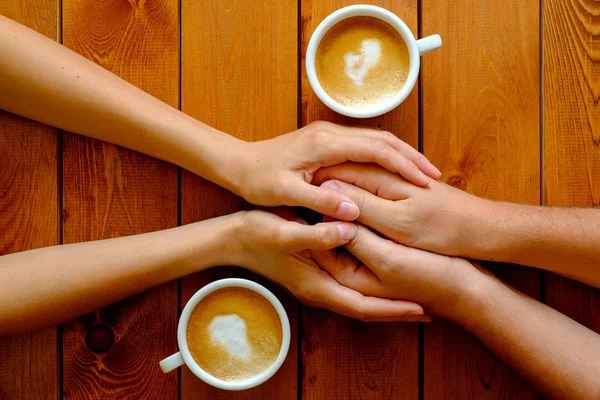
(323, 200)
(323, 236)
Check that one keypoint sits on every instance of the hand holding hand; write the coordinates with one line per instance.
(437, 218)
(276, 246)
(279, 171)
(379, 267)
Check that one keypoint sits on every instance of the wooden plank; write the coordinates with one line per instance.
(29, 215)
(481, 127)
(342, 358)
(110, 191)
(239, 74)
(572, 133)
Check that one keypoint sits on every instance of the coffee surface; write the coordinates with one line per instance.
(362, 62)
(234, 334)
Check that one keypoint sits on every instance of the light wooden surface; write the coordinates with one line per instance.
(109, 191)
(481, 127)
(29, 218)
(508, 109)
(572, 133)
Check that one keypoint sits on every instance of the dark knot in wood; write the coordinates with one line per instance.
(99, 338)
(458, 181)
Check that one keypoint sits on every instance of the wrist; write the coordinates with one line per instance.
(479, 298)
(458, 289)
(211, 154)
(211, 242)
(483, 227)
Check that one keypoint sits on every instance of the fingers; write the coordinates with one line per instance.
(375, 212)
(351, 303)
(322, 200)
(332, 149)
(404, 148)
(297, 237)
(370, 177)
(374, 250)
(348, 271)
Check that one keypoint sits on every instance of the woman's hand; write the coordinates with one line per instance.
(279, 171)
(277, 247)
(438, 218)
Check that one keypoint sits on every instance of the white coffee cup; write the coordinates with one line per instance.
(184, 356)
(416, 48)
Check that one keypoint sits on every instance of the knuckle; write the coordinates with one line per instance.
(282, 236)
(323, 200)
(359, 312)
(360, 199)
(320, 125)
(305, 293)
(378, 145)
(322, 234)
(387, 135)
(319, 137)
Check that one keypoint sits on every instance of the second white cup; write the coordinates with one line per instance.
(185, 357)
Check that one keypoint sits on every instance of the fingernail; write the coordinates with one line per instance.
(348, 211)
(437, 171)
(423, 177)
(424, 319)
(415, 313)
(347, 231)
(331, 185)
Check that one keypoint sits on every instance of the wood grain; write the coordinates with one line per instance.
(239, 75)
(29, 215)
(481, 127)
(110, 191)
(342, 358)
(572, 132)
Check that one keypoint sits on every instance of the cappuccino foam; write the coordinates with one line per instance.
(234, 334)
(362, 62)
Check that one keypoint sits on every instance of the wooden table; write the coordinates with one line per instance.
(507, 109)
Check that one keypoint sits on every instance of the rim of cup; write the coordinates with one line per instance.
(205, 376)
(363, 10)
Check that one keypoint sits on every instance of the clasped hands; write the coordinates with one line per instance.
(390, 190)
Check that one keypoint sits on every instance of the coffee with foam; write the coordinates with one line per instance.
(362, 62)
(234, 334)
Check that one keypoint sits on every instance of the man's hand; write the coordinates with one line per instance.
(279, 171)
(382, 268)
(437, 218)
(277, 247)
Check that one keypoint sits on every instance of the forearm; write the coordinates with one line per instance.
(558, 356)
(561, 240)
(44, 81)
(47, 286)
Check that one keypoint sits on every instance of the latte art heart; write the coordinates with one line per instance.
(358, 65)
(230, 332)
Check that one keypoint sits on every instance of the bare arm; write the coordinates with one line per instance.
(560, 357)
(44, 81)
(47, 286)
(47, 82)
(446, 220)
(561, 240)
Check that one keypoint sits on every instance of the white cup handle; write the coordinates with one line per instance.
(172, 362)
(429, 43)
